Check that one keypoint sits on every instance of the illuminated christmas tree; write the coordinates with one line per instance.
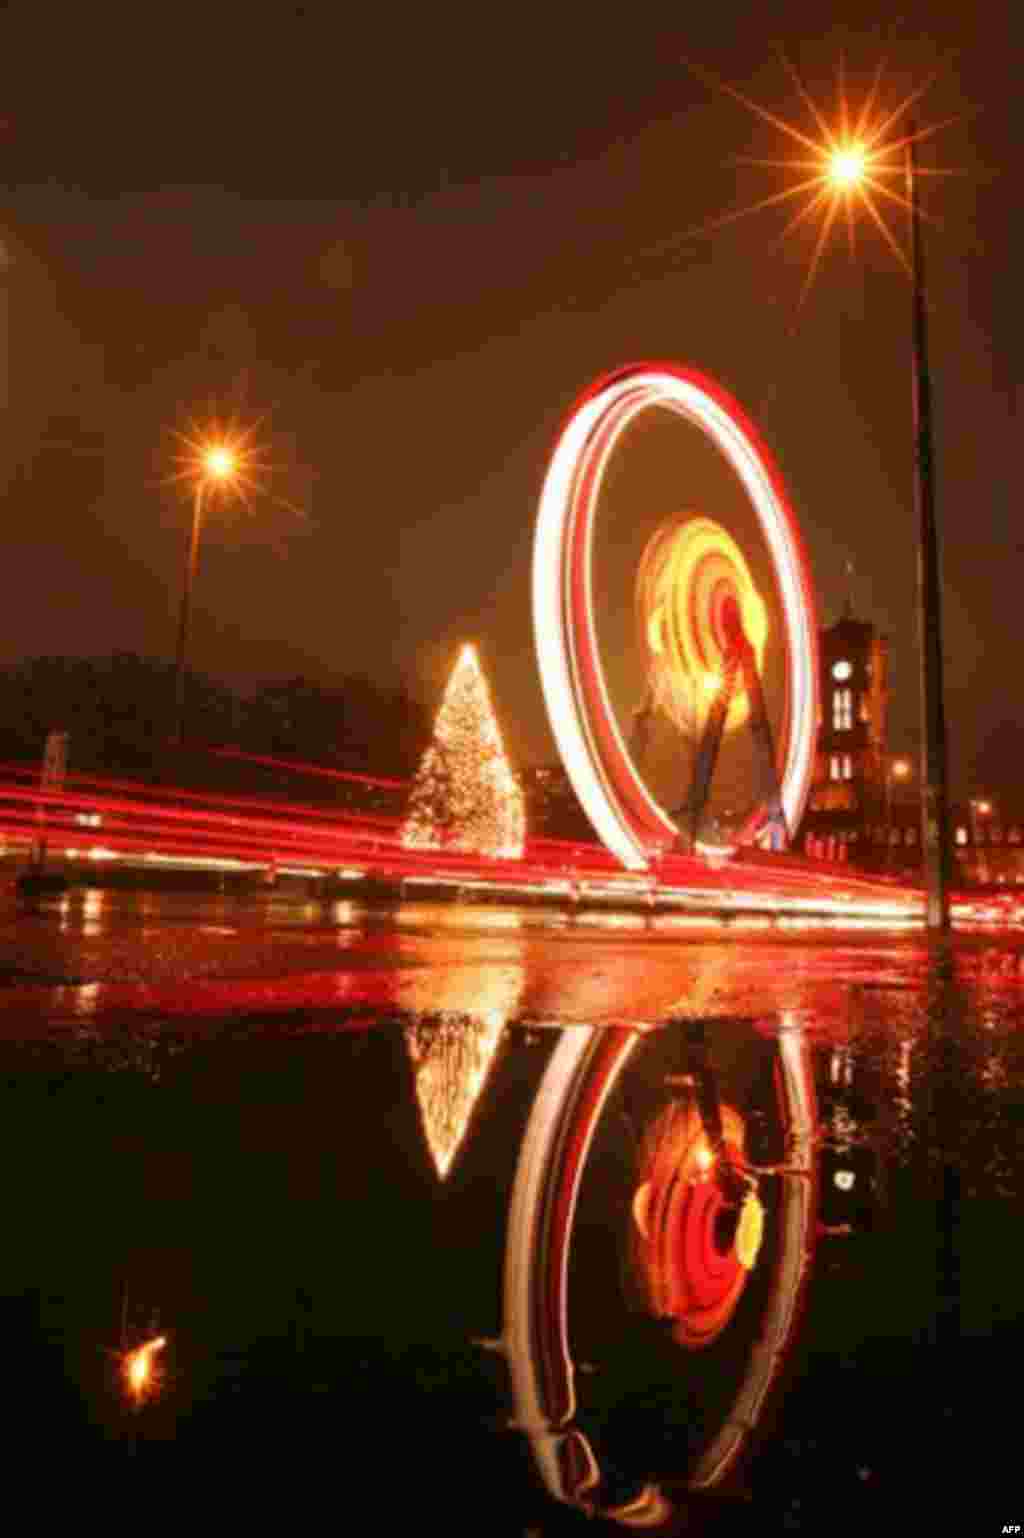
(464, 795)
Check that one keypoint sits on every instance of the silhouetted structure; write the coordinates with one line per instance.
(848, 802)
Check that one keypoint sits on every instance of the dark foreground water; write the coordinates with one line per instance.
(492, 1221)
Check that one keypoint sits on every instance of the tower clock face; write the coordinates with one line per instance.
(841, 671)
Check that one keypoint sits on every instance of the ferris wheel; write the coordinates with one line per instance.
(703, 624)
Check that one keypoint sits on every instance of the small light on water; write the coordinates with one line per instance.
(138, 1367)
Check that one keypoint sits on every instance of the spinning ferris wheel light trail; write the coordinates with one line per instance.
(703, 622)
(704, 626)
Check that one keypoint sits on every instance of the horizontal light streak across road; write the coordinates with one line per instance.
(152, 828)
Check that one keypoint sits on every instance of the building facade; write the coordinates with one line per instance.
(864, 806)
(849, 798)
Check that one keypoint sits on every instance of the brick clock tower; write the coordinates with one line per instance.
(847, 804)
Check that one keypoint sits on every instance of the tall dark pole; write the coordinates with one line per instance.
(934, 793)
(191, 558)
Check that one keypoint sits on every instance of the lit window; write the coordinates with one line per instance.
(961, 835)
(833, 767)
(842, 710)
(841, 671)
(847, 767)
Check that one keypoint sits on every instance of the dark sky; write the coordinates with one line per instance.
(414, 235)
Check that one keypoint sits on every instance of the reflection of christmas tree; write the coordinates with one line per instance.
(464, 795)
(452, 1056)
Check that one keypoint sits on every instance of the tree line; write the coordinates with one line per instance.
(121, 717)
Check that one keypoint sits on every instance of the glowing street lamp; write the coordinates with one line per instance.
(216, 464)
(847, 165)
(981, 808)
(848, 172)
(897, 769)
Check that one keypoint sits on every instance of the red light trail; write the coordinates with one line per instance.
(145, 827)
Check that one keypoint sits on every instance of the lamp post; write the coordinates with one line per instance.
(848, 165)
(934, 779)
(897, 769)
(217, 465)
(981, 811)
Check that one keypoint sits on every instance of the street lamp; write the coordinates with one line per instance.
(980, 807)
(934, 780)
(897, 769)
(851, 168)
(980, 810)
(217, 464)
(847, 165)
(847, 169)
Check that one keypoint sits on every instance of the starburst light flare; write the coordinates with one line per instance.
(855, 163)
(222, 456)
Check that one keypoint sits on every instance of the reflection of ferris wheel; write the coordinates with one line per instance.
(703, 624)
(698, 1237)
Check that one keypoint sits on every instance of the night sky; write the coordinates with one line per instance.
(413, 236)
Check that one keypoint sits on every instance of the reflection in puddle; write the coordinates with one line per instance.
(86, 998)
(451, 1057)
(702, 1226)
(663, 1206)
(93, 904)
(461, 1018)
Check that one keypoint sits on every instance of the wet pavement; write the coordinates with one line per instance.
(606, 1221)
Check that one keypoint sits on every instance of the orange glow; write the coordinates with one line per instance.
(847, 165)
(224, 455)
(984, 807)
(138, 1366)
(691, 1263)
(219, 461)
(687, 565)
(900, 769)
(749, 1232)
(855, 163)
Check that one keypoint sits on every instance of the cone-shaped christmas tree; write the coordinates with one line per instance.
(465, 795)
